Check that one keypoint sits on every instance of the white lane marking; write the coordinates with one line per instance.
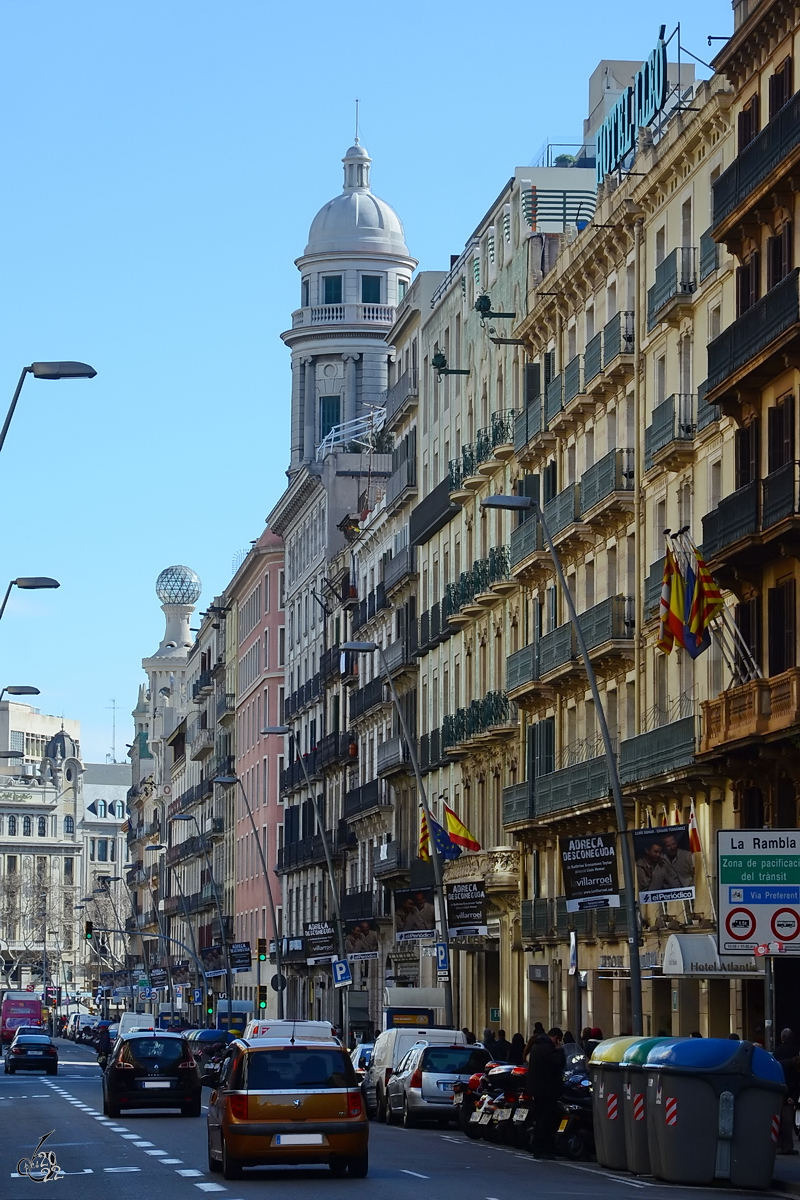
(190, 1173)
(118, 1128)
(130, 1136)
(119, 1170)
(171, 1161)
(211, 1187)
(142, 1143)
(416, 1174)
(637, 1183)
(40, 1096)
(159, 1153)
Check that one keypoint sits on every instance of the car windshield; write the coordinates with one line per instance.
(32, 1040)
(147, 1050)
(282, 1070)
(454, 1060)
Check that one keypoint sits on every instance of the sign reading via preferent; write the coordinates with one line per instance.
(759, 891)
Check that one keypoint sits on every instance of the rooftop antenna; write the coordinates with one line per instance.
(356, 120)
(113, 707)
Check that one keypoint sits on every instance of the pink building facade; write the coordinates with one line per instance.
(256, 596)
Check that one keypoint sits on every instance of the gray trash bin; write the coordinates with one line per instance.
(609, 1126)
(634, 1104)
(713, 1111)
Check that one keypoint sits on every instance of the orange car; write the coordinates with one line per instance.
(274, 1103)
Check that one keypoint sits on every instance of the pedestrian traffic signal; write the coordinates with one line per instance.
(87, 929)
(262, 949)
(262, 996)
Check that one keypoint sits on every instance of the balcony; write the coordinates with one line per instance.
(606, 491)
(746, 354)
(653, 586)
(490, 719)
(502, 433)
(401, 655)
(517, 803)
(345, 838)
(734, 518)
(553, 400)
(203, 686)
(562, 516)
(671, 296)
(561, 791)
(707, 413)
(400, 568)
(365, 698)
(402, 483)
(529, 560)
(618, 340)
(393, 757)
(330, 664)
(388, 860)
(424, 643)
(201, 743)
(756, 170)
(753, 711)
(557, 651)
(303, 853)
(226, 705)
(294, 776)
(528, 427)
(431, 754)
(363, 799)
(709, 255)
(357, 904)
(663, 751)
(779, 498)
(335, 749)
(372, 604)
(593, 361)
(401, 397)
(607, 628)
(432, 514)
(669, 440)
(522, 670)
(343, 314)
(307, 694)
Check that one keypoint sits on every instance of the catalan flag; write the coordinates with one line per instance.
(707, 601)
(693, 644)
(424, 848)
(447, 848)
(458, 832)
(695, 845)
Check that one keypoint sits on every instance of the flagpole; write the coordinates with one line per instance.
(705, 864)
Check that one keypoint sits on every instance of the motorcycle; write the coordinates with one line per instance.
(575, 1136)
(466, 1097)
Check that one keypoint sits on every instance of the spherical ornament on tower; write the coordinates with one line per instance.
(178, 585)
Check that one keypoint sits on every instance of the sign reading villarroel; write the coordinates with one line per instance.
(466, 908)
(759, 891)
(589, 867)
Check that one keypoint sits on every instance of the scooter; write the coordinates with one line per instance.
(575, 1137)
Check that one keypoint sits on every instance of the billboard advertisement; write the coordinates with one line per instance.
(320, 939)
(664, 864)
(361, 939)
(240, 957)
(213, 958)
(589, 870)
(414, 914)
(466, 908)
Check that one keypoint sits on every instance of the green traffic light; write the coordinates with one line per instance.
(262, 1004)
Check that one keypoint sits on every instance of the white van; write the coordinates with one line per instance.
(130, 1021)
(305, 1031)
(390, 1046)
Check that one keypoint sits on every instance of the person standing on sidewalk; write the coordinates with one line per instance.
(546, 1063)
(787, 1055)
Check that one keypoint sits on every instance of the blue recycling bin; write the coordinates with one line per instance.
(713, 1111)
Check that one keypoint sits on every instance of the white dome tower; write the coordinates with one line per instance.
(354, 271)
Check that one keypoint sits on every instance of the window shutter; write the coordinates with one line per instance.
(786, 249)
(533, 387)
(789, 623)
(530, 752)
(774, 438)
(545, 733)
(549, 366)
(755, 277)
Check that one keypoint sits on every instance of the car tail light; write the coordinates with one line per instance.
(239, 1107)
(52, 1050)
(354, 1107)
(187, 1065)
(123, 1066)
(387, 1074)
(17, 1050)
(416, 1079)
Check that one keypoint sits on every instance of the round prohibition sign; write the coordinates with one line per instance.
(740, 924)
(785, 924)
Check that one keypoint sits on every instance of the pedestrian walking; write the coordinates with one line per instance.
(103, 1047)
(469, 1036)
(517, 1055)
(787, 1055)
(502, 1047)
(546, 1063)
(488, 1039)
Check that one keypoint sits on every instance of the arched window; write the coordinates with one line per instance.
(26, 827)
(41, 827)
(69, 825)
(101, 808)
(12, 826)
(116, 808)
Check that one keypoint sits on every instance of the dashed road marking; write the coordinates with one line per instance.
(211, 1187)
(158, 1153)
(129, 1137)
(171, 1161)
(416, 1174)
(190, 1173)
(119, 1170)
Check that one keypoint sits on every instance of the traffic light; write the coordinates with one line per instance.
(209, 1007)
(262, 949)
(87, 930)
(262, 996)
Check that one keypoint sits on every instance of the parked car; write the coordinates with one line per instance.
(33, 1052)
(390, 1048)
(276, 1102)
(151, 1069)
(421, 1088)
(360, 1059)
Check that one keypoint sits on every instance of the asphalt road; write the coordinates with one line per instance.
(159, 1156)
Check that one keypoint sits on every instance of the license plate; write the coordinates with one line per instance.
(298, 1139)
(486, 1118)
(458, 1098)
(443, 1086)
(563, 1125)
(156, 1083)
(476, 1116)
(521, 1114)
(502, 1114)
(36, 1053)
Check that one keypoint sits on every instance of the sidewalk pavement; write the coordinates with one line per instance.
(786, 1177)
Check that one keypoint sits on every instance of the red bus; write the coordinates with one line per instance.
(18, 1008)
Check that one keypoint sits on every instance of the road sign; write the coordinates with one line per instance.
(758, 872)
(197, 995)
(442, 957)
(342, 975)
(145, 993)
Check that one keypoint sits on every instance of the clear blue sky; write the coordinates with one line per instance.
(163, 161)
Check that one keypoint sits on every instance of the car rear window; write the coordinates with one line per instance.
(454, 1060)
(33, 1039)
(297, 1068)
(162, 1050)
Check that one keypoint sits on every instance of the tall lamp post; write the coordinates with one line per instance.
(218, 903)
(32, 583)
(438, 872)
(45, 370)
(281, 731)
(279, 982)
(158, 846)
(527, 503)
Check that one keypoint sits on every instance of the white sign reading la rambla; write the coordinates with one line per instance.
(637, 106)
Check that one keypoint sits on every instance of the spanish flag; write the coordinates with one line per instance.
(665, 637)
(695, 845)
(677, 606)
(458, 832)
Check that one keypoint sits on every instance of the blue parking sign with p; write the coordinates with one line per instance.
(197, 995)
(342, 975)
(442, 957)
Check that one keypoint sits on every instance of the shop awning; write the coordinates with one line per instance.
(696, 954)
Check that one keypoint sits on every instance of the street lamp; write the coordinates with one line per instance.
(223, 934)
(12, 754)
(19, 690)
(438, 873)
(279, 979)
(32, 583)
(46, 370)
(106, 890)
(524, 504)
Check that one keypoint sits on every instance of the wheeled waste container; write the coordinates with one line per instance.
(634, 1104)
(609, 1127)
(713, 1111)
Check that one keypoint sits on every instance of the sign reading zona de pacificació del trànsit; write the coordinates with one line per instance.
(758, 874)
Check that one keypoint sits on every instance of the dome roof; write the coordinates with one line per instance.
(178, 585)
(357, 220)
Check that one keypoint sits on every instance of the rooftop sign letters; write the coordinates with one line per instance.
(637, 106)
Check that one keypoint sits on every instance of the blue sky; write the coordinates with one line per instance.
(163, 163)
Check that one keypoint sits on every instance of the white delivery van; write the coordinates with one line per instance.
(390, 1046)
(301, 1031)
(130, 1021)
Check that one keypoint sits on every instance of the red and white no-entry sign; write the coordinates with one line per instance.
(740, 924)
(785, 924)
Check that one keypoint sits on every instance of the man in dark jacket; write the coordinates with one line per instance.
(502, 1046)
(546, 1064)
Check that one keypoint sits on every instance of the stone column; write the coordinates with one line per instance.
(309, 408)
(349, 406)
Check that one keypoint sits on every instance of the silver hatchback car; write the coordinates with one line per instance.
(421, 1089)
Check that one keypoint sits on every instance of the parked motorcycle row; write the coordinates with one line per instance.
(496, 1106)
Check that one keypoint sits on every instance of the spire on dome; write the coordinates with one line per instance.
(356, 168)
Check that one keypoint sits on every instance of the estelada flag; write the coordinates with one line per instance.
(695, 845)
(458, 832)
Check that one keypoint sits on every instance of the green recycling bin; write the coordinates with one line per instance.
(634, 1104)
(609, 1127)
(713, 1111)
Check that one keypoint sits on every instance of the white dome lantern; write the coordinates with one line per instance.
(357, 220)
(178, 585)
